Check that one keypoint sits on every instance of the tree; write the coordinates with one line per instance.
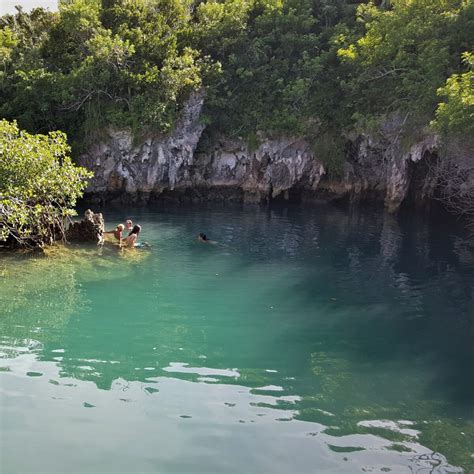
(311, 68)
(455, 115)
(39, 186)
(96, 64)
(405, 55)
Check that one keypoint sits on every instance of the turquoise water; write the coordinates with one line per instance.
(306, 341)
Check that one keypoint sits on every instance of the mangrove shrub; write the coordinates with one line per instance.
(39, 186)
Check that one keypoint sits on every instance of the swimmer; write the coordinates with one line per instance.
(131, 240)
(202, 237)
(128, 226)
(117, 232)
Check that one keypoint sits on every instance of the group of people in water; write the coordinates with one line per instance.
(133, 231)
(131, 240)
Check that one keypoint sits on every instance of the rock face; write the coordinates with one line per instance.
(123, 168)
(182, 166)
(379, 168)
(160, 165)
(272, 170)
(90, 229)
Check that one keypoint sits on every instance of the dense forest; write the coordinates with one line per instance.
(312, 68)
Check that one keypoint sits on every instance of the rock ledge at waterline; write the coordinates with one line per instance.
(179, 167)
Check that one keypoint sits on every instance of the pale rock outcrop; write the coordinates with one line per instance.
(381, 165)
(273, 168)
(182, 166)
(399, 176)
(125, 170)
(122, 167)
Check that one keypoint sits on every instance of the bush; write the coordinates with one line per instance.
(39, 186)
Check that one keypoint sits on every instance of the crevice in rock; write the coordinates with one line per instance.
(292, 195)
(422, 184)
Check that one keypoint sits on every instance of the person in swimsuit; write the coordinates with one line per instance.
(131, 240)
(117, 232)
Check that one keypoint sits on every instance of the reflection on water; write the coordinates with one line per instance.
(319, 340)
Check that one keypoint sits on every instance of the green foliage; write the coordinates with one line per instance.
(329, 148)
(269, 67)
(276, 58)
(406, 54)
(455, 116)
(39, 185)
(7, 43)
(94, 65)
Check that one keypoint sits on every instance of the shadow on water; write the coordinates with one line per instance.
(404, 289)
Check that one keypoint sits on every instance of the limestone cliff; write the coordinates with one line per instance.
(182, 166)
(383, 168)
(124, 168)
(159, 164)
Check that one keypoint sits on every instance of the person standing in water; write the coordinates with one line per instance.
(131, 240)
(117, 232)
(128, 226)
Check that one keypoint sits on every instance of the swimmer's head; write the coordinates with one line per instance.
(202, 236)
(128, 223)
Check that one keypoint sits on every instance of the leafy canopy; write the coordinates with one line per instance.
(455, 115)
(405, 55)
(90, 65)
(313, 68)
